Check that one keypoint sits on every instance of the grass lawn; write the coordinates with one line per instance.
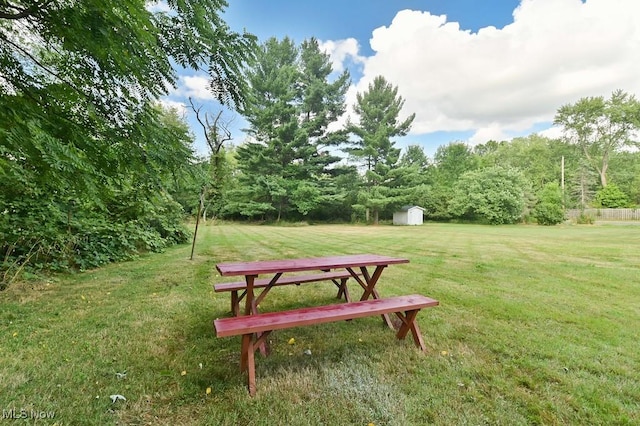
(537, 325)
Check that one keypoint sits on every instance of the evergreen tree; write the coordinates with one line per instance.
(292, 103)
(378, 109)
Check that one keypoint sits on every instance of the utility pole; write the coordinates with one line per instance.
(562, 180)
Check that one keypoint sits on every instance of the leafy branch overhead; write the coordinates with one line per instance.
(88, 158)
(126, 60)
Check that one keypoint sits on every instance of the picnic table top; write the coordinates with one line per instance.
(306, 264)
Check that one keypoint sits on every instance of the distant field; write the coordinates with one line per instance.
(537, 325)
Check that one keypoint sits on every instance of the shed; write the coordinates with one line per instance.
(408, 215)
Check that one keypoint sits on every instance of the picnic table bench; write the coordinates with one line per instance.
(255, 328)
(238, 289)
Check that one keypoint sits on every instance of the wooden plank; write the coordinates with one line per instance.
(320, 314)
(300, 279)
(307, 264)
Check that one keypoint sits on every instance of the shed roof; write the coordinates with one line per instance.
(407, 208)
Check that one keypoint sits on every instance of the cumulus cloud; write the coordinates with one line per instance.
(342, 52)
(499, 81)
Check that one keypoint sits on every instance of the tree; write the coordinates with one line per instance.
(128, 58)
(583, 185)
(538, 157)
(601, 127)
(625, 173)
(548, 210)
(378, 109)
(452, 161)
(495, 194)
(46, 222)
(87, 156)
(292, 103)
(414, 156)
(84, 92)
(215, 181)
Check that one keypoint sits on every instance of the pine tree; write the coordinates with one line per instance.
(378, 109)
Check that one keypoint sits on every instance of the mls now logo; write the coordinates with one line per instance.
(27, 414)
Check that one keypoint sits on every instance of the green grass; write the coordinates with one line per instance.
(537, 325)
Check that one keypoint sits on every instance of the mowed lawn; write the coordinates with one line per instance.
(536, 325)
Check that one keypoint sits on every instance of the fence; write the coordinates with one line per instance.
(606, 214)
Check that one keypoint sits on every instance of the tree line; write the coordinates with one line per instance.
(93, 169)
(300, 164)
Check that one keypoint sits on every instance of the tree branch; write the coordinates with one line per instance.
(20, 12)
(214, 139)
(46, 69)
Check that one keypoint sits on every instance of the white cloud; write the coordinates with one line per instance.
(196, 87)
(491, 132)
(553, 132)
(342, 52)
(180, 107)
(498, 81)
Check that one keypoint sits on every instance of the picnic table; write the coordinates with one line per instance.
(356, 266)
(365, 269)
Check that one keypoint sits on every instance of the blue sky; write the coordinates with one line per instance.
(341, 19)
(471, 70)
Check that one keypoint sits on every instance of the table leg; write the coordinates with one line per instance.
(409, 324)
(370, 288)
(250, 305)
(251, 363)
(247, 357)
(343, 290)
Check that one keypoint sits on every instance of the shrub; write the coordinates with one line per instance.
(494, 194)
(612, 197)
(585, 219)
(549, 209)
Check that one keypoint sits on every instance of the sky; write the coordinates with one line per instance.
(470, 70)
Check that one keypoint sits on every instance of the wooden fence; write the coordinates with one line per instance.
(606, 214)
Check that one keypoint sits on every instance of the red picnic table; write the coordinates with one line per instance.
(357, 265)
(365, 269)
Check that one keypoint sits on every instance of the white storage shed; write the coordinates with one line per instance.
(408, 215)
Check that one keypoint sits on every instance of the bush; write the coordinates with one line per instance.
(612, 197)
(585, 219)
(549, 209)
(60, 235)
(495, 195)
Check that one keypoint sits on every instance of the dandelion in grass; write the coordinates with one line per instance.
(292, 341)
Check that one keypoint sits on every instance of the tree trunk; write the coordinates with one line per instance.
(603, 174)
